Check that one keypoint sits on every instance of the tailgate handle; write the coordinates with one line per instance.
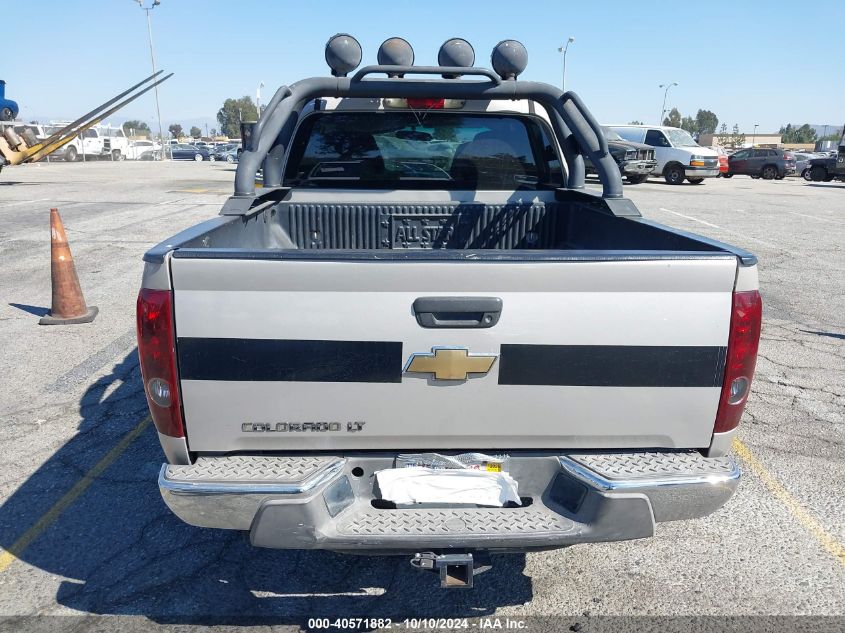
(458, 312)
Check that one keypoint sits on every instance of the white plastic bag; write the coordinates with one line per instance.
(416, 484)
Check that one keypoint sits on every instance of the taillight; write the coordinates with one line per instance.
(743, 341)
(426, 104)
(157, 352)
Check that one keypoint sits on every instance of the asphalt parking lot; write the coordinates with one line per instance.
(103, 543)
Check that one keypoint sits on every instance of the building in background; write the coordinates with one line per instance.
(756, 140)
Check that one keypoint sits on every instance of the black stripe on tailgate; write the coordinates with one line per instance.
(612, 365)
(289, 360)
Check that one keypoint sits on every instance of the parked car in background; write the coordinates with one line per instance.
(228, 153)
(183, 151)
(137, 148)
(636, 160)
(802, 163)
(827, 168)
(760, 162)
(678, 156)
(723, 158)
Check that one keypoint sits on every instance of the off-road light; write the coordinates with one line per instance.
(456, 52)
(395, 51)
(509, 59)
(343, 54)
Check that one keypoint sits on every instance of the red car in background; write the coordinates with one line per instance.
(723, 159)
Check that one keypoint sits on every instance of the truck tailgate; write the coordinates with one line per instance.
(284, 354)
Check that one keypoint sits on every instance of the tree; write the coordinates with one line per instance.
(723, 138)
(233, 112)
(689, 124)
(175, 130)
(635, 123)
(674, 118)
(737, 138)
(214, 131)
(803, 134)
(140, 128)
(706, 122)
(195, 132)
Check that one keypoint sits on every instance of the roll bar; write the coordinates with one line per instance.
(578, 132)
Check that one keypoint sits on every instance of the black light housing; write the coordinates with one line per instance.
(456, 52)
(509, 59)
(343, 54)
(395, 51)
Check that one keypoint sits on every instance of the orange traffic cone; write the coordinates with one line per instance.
(68, 303)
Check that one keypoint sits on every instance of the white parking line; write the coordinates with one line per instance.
(737, 233)
(804, 215)
(174, 201)
(689, 217)
(15, 204)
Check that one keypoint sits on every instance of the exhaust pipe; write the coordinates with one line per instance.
(456, 570)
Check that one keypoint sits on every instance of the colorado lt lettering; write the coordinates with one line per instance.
(301, 427)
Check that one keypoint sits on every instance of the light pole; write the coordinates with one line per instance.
(563, 50)
(754, 135)
(665, 92)
(153, 60)
(258, 97)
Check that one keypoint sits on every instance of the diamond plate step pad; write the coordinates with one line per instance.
(480, 521)
(251, 469)
(653, 465)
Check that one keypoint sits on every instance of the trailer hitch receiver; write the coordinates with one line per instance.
(456, 570)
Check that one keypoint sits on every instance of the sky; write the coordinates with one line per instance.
(746, 61)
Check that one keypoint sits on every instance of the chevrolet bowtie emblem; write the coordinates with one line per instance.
(450, 363)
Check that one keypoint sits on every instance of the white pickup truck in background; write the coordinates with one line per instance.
(422, 282)
(101, 141)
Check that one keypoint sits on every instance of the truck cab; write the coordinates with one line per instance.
(9, 109)
(678, 156)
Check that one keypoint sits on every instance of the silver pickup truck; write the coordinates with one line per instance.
(423, 271)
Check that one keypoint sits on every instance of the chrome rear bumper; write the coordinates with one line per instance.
(327, 502)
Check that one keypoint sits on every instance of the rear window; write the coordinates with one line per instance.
(413, 150)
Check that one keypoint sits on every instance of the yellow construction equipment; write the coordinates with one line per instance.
(15, 150)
